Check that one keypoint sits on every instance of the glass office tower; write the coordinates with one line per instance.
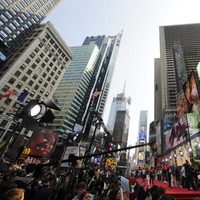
(17, 17)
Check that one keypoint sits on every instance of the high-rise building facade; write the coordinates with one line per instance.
(74, 90)
(36, 67)
(109, 47)
(179, 55)
(118, 121)
(17, 17)
(90, 71)
(142, 138)
(157, 90)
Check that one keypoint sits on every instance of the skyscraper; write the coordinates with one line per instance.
(157, 90)
(118, 121)
(109, 47)
(90, 71)
(142, 138)
(179, 55)
(17, 17)
(36, 67)
(74, 90)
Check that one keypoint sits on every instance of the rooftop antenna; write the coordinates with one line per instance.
(124, 87)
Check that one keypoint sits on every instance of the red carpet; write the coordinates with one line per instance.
(177, 192)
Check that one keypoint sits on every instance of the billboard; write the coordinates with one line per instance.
(177, 134)
(42, 144)
(169, 118)
(193, 123)
(142, 135)
(191, 93)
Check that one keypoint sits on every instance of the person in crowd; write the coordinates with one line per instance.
(7, 184)
(85, 195)
(195, 172)
(138, 192)
(152, 177)
(81, 187)
(14, 194)
(178, 176)
(183, 176)
(189, 179)
(47, 192)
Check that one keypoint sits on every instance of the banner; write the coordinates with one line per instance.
(43, 143)
(69, 150)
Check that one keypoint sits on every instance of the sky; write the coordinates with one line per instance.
(140, 21)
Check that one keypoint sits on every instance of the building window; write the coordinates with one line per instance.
(33, 65)
(5, 88)
(17, 73)
(24, 78)
(38, 97)
(32, 94)
(32, 55)
(41, 55)
(40, 45)
(44, 75)
(42, 90)
(50, 55)
(4, 122)
(23, 67)
(36, 87)
(30, 83)
(52, 42)
(19, 85)
(40, 81)
(35, 76)
(37, 60)
(36, 50)
(28, 60)
(29, 72)
(12, 80)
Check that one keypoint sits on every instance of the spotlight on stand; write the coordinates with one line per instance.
(36, 112)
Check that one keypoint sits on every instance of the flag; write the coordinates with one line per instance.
(8, 93)
(96, 94)
(22, 96)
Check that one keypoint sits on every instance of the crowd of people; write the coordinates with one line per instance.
(186, 176)
(38, 182)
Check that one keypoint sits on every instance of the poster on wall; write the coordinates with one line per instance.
(177, 134)
(169, 118)
(193, 123)
(42, 144)
(191, 93)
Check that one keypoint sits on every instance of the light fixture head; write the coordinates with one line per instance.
(35, 110)
(190, 149)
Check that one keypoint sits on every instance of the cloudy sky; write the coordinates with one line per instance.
(140, 20)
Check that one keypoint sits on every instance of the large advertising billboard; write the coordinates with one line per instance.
(191, 93)
(42, 144)
(177, 133)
